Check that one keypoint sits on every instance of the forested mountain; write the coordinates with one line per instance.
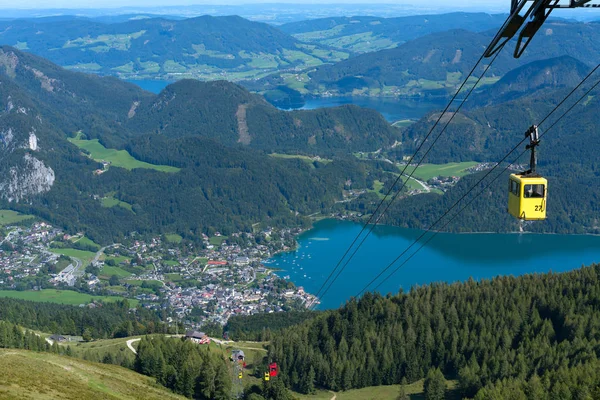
(364, 33)
(193, 126)
(553, 73)
(567, 157)
(434, 64)
(105, 320)
(491, 335)
(196, 47)
(230, 114)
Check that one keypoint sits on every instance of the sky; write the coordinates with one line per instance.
(46, 4)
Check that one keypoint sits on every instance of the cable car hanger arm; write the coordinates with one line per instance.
(538, 11)
(534, 141)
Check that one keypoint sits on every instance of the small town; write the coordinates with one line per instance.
(226, 277)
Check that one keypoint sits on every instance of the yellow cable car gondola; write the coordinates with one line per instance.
(527, 191)
(267, 377)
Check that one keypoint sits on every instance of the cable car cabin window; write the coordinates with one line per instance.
(534, 191)
(514, 187)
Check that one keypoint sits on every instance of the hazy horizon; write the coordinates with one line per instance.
(116, 4)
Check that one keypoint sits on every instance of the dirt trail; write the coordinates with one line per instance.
(242, 125)
(130, 342)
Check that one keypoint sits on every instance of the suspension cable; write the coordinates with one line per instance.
(476, 184)
(370, 220)
(395, 196)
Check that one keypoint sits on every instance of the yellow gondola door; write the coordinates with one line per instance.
(527, 197)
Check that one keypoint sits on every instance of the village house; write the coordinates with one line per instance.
(197, 337)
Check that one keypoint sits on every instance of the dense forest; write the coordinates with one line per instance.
(100, 321)
(184, 367)
(230, 114)
(494, 336)
(13, 337)
(263, 327)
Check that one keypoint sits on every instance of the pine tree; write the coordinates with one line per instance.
(402, 395)
(435, 385)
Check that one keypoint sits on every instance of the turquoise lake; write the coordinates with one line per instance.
(154, 86)
(447, 257)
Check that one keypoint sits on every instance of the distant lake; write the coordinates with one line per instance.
(446, 258)
(391, 108)
(154, 86)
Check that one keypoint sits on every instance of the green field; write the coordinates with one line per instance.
(87, 242)
(107, 271)
(117, 158)
(9, 217)
(32, 375)
(85, 256)
(98, 349)
(428, 171)
(390, 392)
(307, 159)
(59, 296)
(118, 259)
(217, 240)
(135, 282)
(109, 201)
(173, 238)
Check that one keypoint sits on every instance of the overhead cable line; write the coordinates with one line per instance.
(395, 196)
(321, 293)
(370, 220)
(477, 183)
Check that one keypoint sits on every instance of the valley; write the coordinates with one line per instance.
(176, 192)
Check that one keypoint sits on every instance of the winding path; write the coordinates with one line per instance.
(130, 342)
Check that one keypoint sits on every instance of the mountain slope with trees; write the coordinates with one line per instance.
(155, 47)
(434, 64)
(364, 33)
(191, 125)
(230, 114)
(481, 332)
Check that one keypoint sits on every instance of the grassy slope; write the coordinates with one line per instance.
(101, 348)
(85, 256)
(25, 374)
(9, 217)
(117, 158)
(59, 296)
(414, 390)
(428, 171)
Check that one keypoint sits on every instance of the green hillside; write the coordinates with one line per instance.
(547, 74)
(217, 135)
(204, 47)
(116, 158)
(231, 115)
(27, 374)
(362, 34)
(436, 64)
(531, 331)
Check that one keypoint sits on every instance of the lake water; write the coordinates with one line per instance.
(154, 86)
(447, 258)
(392, 109)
